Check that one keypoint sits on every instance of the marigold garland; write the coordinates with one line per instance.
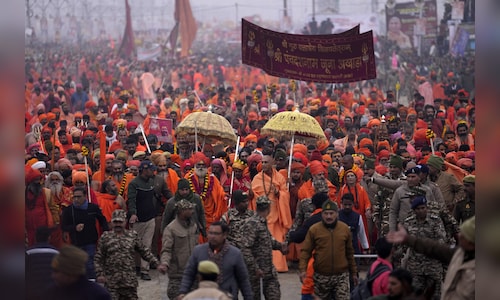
(208, 185)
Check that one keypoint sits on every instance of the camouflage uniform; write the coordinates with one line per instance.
(425, 270)
(338, 285)
(380, 207)
(235, 220)
(304, 210)
(257, 247)
(115, 261)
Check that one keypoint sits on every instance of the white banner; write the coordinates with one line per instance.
(150, 53)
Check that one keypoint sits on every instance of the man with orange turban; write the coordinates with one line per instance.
(272, 184)
(108, 172)
(242, 181)
(251, 141)
(37, 211)
(318, 183)
(208, 187)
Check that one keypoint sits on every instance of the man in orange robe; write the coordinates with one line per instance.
(318, 183)
(109, 200)
(272, 184)
(208, 187)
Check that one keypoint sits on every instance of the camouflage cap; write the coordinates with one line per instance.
(119, 215)
(184, 204)
(263, 200)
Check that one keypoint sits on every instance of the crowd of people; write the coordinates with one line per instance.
(387, 177)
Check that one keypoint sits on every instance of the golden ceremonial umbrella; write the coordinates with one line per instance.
(208, 125)
(293, 123)
(290, 123)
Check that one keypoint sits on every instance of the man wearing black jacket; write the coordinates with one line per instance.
(142, 207)
(79, 219)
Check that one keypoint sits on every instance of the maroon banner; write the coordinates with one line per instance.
(333, 58)
(406, 20)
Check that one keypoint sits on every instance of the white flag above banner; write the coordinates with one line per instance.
(150, 53)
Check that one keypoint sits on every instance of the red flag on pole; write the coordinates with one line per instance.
(184, 16)
(127, 46)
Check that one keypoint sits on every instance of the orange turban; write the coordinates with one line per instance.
(381, 169)
(359, 161)
(412, 111)
(176, 159)
(251, 137)
(78, 115)
(132, 106)
(365, 142)
(252, 116)
(373, 122)
(51, 116)
(365, 151)
(298, 166)
(79, 176)
(200, 157)
(316, 167)
(383, 144)
(81, 167)
(322, 144)
(109, 156)
(301, 148)
(42, 117)
(327, 160)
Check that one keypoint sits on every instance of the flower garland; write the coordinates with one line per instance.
(208, 185)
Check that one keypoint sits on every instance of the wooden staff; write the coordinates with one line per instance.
(232, 171)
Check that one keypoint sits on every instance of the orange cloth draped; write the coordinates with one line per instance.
(280, 219)
(456, 170)
(307, 190)
(107, 204)
(214, 202)
(360, 197)
(172, 180)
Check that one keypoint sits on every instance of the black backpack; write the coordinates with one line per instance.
(363, 290)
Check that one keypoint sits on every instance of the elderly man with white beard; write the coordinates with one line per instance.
(60, 197)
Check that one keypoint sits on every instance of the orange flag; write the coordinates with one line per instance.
(184, 16)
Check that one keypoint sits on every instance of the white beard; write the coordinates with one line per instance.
(56, 188)
(200, 172)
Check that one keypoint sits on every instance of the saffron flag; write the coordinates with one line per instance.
(187, 25)
(127, 46)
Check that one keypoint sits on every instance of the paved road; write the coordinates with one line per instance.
(156, 289)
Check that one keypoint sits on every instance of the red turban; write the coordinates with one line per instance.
(89, 104)
(322, 144)
(383, 154)
(365, 151)
(255, 157)
(298, 166)
(131, 124)
(252, 116)
(200, 157)
(381, 169)
(51, 116)
(31, 175)
(420, 137)
(465, 163)
(186, 163)
(316, 155)
(251, 137)
(316, 167)
(421, 124)
(300, 148)
(302, 157)
(109, 156)
(135, 163)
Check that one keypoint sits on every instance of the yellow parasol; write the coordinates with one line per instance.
(207, 125)
(292, 123)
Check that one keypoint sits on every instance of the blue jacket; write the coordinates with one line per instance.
(234, 271)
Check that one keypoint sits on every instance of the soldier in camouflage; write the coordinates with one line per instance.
(257, 249)
(178, 241)
(383, 197)
(236, 217)
(422, 223)
(114, 260)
